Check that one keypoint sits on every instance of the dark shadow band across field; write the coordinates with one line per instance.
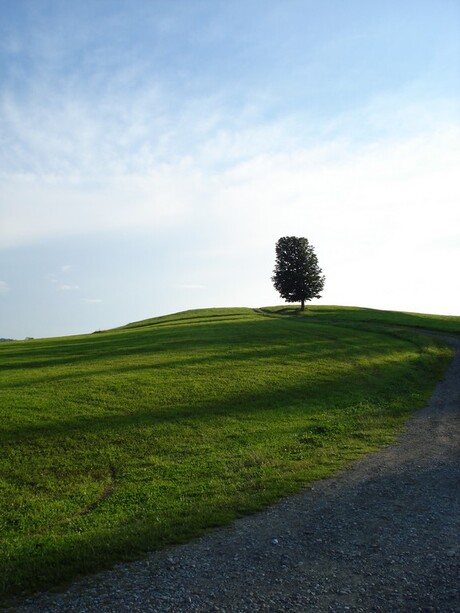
(116, 354)
(120, 442)
(357, 381)
(192, 356)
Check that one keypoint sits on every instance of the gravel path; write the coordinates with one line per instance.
(382, 536)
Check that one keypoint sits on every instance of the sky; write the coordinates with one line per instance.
(152, 152)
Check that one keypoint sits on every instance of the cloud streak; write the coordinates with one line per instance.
(366, 180)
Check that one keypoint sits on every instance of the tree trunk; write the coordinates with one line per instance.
(302, 305)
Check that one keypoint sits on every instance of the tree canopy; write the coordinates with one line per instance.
(297, 275)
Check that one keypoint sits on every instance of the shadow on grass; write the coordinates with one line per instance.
(380, 381)
(219, 343)
(312, 352)
(238, 335)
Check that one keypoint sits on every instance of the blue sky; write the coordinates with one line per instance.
(153, 152)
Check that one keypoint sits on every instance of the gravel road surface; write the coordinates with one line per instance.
(381, 536)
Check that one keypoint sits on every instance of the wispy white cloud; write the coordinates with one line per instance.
(4, 287)
(66, 267)
(276, 182)
(66, 287)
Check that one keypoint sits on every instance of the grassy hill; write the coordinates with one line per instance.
(127, 440)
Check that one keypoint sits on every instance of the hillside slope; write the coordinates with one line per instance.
(120, 442)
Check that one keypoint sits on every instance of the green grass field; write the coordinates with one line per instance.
(123, 441)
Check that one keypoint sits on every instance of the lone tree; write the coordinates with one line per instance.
(297, 276)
